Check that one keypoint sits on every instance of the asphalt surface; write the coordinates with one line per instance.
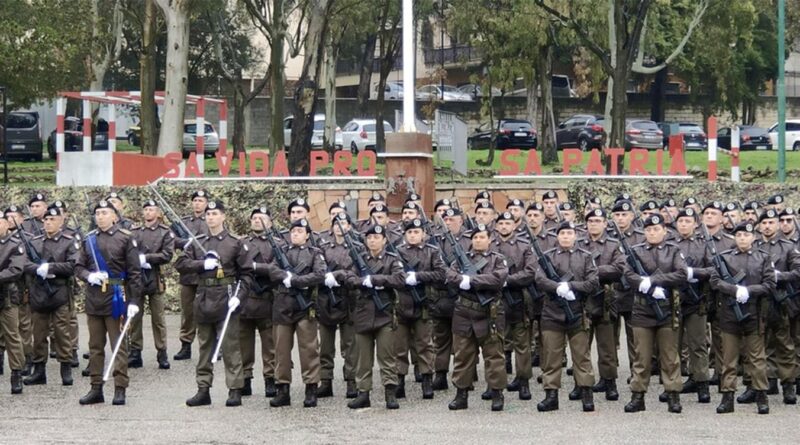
(156, 413)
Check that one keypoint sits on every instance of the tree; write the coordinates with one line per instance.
(105, 40)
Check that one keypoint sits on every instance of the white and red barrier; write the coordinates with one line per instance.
(713, 148)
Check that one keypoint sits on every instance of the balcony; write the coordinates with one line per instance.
(452, 55)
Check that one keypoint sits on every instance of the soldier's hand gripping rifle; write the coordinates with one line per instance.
(550, 272)
(331, 294)
(465, 266)
(467, 219)
(418, 299)
(34, 256)
(283, 263)
(724, 273)
(362, 266)
(636, 265)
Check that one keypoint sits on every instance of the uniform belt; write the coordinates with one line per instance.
(470, 304)
(644, 301)
(217, 281)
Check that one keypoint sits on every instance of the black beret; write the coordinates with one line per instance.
(716, 205)
(745, 227)
(480, 228)
(648, 205)
(669, 203)
(260, 210)
(103, 204)
(200, 194)
(114, 195)
(566, 225)
(537, 206)
(752, 205)
(788, 211)
(484, 205)
(411, 205)
(376, 197)
(302, 222)
(596, 213)
(687, 212)
(415, 223)
(337, 205)
(52, 211)
(12, 209)
(622, 206)
(215, 205)
(769, 214)
(775, 199)
(653, 220)
(150, 203)
(380, 208)
(59, 204)
(36, 198)
(689, 201)
(376, 230)
(453, 212)
(413, 197)
(298, 202)
(549, 195)
(505, 216)
(442, 202)
(731, 206)
(594, 200)
(623, 197)
(343, 217)
(482, 195)
(566, 206)
(515, 203)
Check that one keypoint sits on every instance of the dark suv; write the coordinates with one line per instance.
(24, 136)
(511, 133)
(583, 131)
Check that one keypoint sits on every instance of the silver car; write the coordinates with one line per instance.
(359, 134)
(448, 93)
(316, 136)
(210, 138)
(640, 133)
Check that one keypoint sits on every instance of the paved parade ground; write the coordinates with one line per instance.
(156, 413)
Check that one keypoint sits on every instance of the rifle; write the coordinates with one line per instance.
(362, 266)
(283, 263)
(331, 294)
(532, 290)
(33, 220)
(724, 272)
(418, 299)
(691, 288)
(636, 265)
(225, 324)
(426, 225)
(550, 272)
(465, 266)
(467, 219)
(34, 256)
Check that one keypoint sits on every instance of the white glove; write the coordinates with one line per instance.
(569, 296)
(411, 279)
(464, 282)
(562, 289)
(690, 275)
(742, 294)
(644, 286)
(330, 281)
(143, 262)
(659, 294)
(210, 263)
(97, 278)
(42, 270)
(233, 303)
(367, 281)
(777, 274)
(288, 280)
(132, 310)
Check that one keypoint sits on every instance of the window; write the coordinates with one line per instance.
(792, 126)
(192, 128)
(287, 124)
(21, 120)
(724, 132)
(644, 125)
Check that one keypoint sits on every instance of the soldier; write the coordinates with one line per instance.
(335, 305)
(37, 206)
(196, 223)
(669, 211)
(296, 210)
(337, 208)
(521, 270)
(482, 196)
(290, 316)
(562, 317)
(776, 202)
(74, 284)
(442, 206)
(50, 290)
(550, 206)
(600, 307)
(380, 214)
(789, 226)
(224, 267)
(485, 214)
(409, 212)
(256, 314)
(567, 211)
(743, 337)
(692, 203)
(546, 240)
(517, 210)
(109, 263)
(12, 261)
(116, 200)
(375, 200)
(477, 325)
(424, 267)
(752, 210)
(33, 226)
(664, 270)
(375, 326)
(156, 246)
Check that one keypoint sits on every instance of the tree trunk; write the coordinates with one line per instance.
(365, 75)
(380, 135)
(532, 98)
(177, 18)
(493, 135)
(276, 141)
(238, 116)
(329, 136)
(547, 133)
(658, 96)
(148, 110)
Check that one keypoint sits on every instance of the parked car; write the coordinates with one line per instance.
(694, 138)
(561, 86)
(476, 91)
(641, 133)
(73, 136)
(792, 135)
(24, 136)
(359, 134)
(583, 131)
(435, 92)
(392, 91)
(511, 133)
(750, 138)
(316, 136)
(134, 135)
(210, 138)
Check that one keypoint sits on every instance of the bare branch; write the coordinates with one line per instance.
(638, 66)
(584, 36)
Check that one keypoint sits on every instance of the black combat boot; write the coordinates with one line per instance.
(513, 386)
(311, 396)
(524, 389)
(351, 392)
(29, 366)
(726, 405)
(427, 386)
(636, 404)
(417, 375)
(587, 399)
(401, 386)
(702, 393)
(282, 398)
(748, 396)
(550, 402)
(611, 390)
(674, 403)
(390, 393)
(162, 359)
(440, 381)
(247, 389)
(95, 395)
(762, 402)
(714, 379)
(509, 368)
(85, 372)
(789, 395)
(16, 381)
(234, 397)
(773, 387)
(361, 401)
(135, 359)
(600, 386)
(575, 394)
(460, 401)
(663, 397)
(75, 363)
(498, 400)
(86, 355)
(325, 389)
(66, 374)
(269, 387)
(185, 353)
(487, 395)
(201, 398)
(38, 376)
(689, 386)
(119, 396)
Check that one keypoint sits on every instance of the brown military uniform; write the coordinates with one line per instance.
(666, 268)
(157, 244)
(547, 240)
(722, 241)
(556, 330)
(12, 261)
(211, 302)
(256, 312)
(25, 318)
(476, 326)
(121, 254)
(624, 292)
(188, 281)
(442, 306)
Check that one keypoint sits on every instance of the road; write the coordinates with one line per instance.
(156, 413)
